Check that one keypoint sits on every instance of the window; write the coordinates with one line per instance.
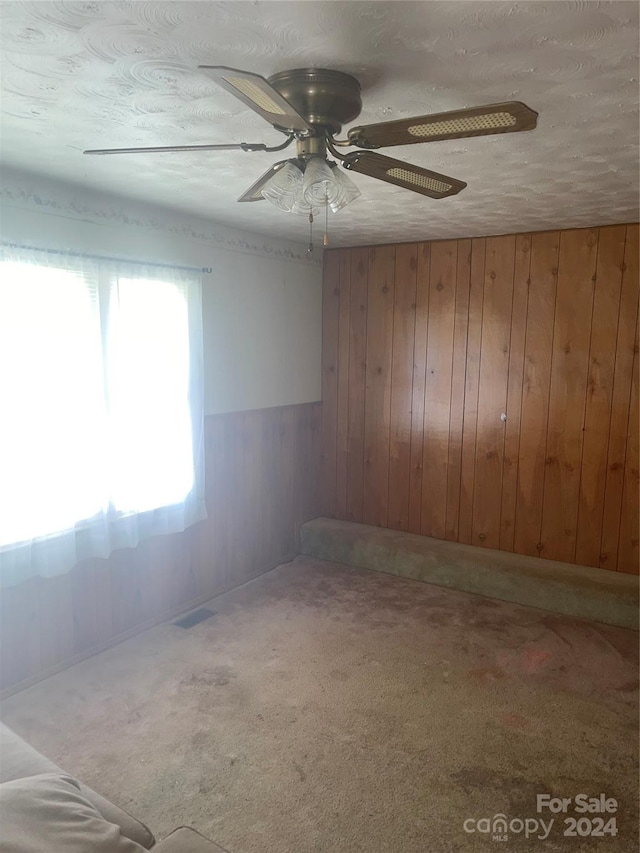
(100, 401)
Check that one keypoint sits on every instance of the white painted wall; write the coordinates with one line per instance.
(262, 301)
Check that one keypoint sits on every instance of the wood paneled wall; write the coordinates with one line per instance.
(262, 473)
(426, 347)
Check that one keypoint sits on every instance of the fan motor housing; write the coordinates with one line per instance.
(327, 99)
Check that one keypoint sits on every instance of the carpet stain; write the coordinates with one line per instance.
(216, 677)
(339, 675)
(535, 659)
(300, 772)
(514, 721)
(486, 674)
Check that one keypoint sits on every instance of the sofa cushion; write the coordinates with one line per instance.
(19, 759)
(48, 812)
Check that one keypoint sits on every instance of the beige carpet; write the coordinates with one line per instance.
(329, 709)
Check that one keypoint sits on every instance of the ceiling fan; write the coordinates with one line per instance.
(310, 106)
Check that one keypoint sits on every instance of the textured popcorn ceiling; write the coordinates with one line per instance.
(81, 75)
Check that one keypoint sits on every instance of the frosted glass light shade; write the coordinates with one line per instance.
(323, 184)
(318, 186)
(347, 190)
(284, 188)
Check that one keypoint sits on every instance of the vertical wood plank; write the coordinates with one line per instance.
(404, 319)
(235, 505)
(9, 637)
(316, 458)
(306, 480)
(251, 473)
(103, 600)
(183, 579)
(454, 461)
(146, 583)
(514, 391)
(286, 515)
(492, 396)
(302, 467)
(174, 570)
(620, 403)
(418, 383)
(472, 378)
(357, 378)
(535, 390)
(569, 363)
(343, 384)
(223, 466)
(604, 331)
(66, 617)
(28, 624)
(309, 461)
(209, 546)
(330, 319)
(377, 411)
(240, 437)
(272, 461)
(629, 536)
(119, 569)
(437, 406)
(84, 607)
(156, 561)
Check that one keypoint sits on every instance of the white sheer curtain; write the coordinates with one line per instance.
(101, 410)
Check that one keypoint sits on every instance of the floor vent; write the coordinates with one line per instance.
(195, 618)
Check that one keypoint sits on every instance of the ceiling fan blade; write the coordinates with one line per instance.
(257, 93)
(245, 146)
(254, 193)
(509, 117)
(402, 174)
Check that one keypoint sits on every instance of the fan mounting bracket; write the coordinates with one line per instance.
(326, 99)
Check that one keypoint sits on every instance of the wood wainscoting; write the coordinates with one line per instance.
(262, 475)
(485, 391)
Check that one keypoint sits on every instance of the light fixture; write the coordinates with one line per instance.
(305, 185)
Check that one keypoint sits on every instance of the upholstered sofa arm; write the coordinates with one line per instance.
(186, 840)
(18, 759)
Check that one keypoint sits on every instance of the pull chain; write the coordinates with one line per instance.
(310, 249)
(325, 239)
